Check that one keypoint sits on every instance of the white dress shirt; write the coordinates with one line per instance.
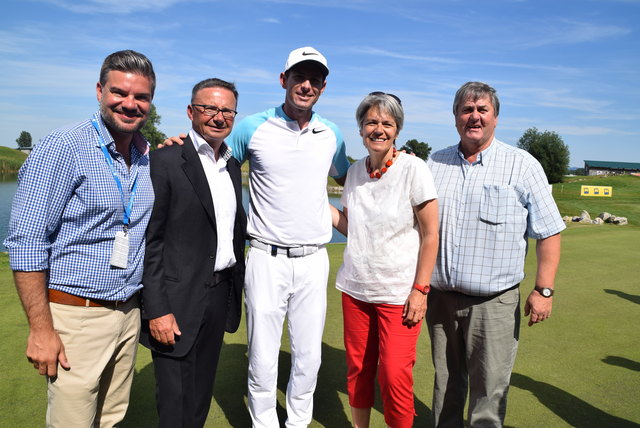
(224, 199)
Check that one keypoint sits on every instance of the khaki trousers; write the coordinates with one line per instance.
(101, 345)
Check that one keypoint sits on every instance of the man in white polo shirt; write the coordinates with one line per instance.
(291, 150)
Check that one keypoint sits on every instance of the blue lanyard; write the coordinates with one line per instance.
(127, 207)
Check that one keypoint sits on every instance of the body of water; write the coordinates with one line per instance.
(8, 189)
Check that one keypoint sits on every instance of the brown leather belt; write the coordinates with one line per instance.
(60, 297)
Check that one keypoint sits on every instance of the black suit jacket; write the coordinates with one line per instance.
(181, 246)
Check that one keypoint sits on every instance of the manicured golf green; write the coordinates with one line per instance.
(580, 368)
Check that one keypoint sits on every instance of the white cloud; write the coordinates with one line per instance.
(568, 32)
(366, 50)
(119, 7)
(554, 97)
(587, 130)
(351, 4)
(38, 78)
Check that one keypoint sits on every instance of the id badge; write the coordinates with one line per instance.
(120, 252)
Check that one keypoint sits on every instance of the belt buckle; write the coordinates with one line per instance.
(301, 251)
(296, 252)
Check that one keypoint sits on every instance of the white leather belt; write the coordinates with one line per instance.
(297, 251)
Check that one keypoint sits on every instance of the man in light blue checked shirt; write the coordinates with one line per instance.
(76, 246)
(492, 197)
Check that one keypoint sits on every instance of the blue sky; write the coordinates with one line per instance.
(569, 66)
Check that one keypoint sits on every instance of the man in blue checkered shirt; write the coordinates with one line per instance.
(492, 198)
(76, 246)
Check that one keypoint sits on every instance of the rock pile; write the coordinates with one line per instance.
(602, 218)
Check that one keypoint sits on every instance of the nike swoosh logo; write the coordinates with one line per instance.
(317, 131)
(308, 53)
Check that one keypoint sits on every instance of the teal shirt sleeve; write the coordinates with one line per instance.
(242, 133)
(340, 164)
(238, 141)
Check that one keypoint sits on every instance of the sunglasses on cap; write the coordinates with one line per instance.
(395, 97)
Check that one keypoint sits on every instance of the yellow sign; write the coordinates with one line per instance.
(606, 191)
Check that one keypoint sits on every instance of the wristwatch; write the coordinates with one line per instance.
(424, 289)
(544, 291)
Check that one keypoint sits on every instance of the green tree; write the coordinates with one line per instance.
(420, 149)
(549, 149)
(24, 140)
(150, 130)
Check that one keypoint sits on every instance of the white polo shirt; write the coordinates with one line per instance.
(288, 178)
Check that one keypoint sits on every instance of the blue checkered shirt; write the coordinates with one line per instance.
(68, 208)
(488, 209)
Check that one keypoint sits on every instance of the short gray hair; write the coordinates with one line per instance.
(385, 103)
(128, 61)
(474, 91)
(213, 83)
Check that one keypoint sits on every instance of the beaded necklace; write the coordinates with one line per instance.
(375, 173)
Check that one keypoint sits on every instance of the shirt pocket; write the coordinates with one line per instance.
(496, 203)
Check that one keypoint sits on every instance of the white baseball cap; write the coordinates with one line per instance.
(306, 54)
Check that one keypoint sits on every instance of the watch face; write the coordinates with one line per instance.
(546, 292)
(424, 289)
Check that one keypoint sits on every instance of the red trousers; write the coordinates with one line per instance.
(376, 341)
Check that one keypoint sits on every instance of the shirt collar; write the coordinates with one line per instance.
(202, 146)
(139, 142)
(104, 132)
(483, 156)
(280, 113)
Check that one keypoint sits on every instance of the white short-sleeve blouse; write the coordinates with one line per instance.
(383, 236)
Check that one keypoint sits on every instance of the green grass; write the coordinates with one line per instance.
(580, 368)
(624, 202)
(10, 160)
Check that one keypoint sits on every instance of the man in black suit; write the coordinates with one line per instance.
(194, 262)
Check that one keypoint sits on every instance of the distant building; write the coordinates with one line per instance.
(25, 150)
(610, 168)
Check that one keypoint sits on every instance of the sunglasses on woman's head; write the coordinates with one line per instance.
(395, 97)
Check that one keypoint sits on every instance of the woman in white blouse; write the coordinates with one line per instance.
(390, 216)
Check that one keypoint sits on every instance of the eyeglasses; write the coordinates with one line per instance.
(395, 97)
(213, 111)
